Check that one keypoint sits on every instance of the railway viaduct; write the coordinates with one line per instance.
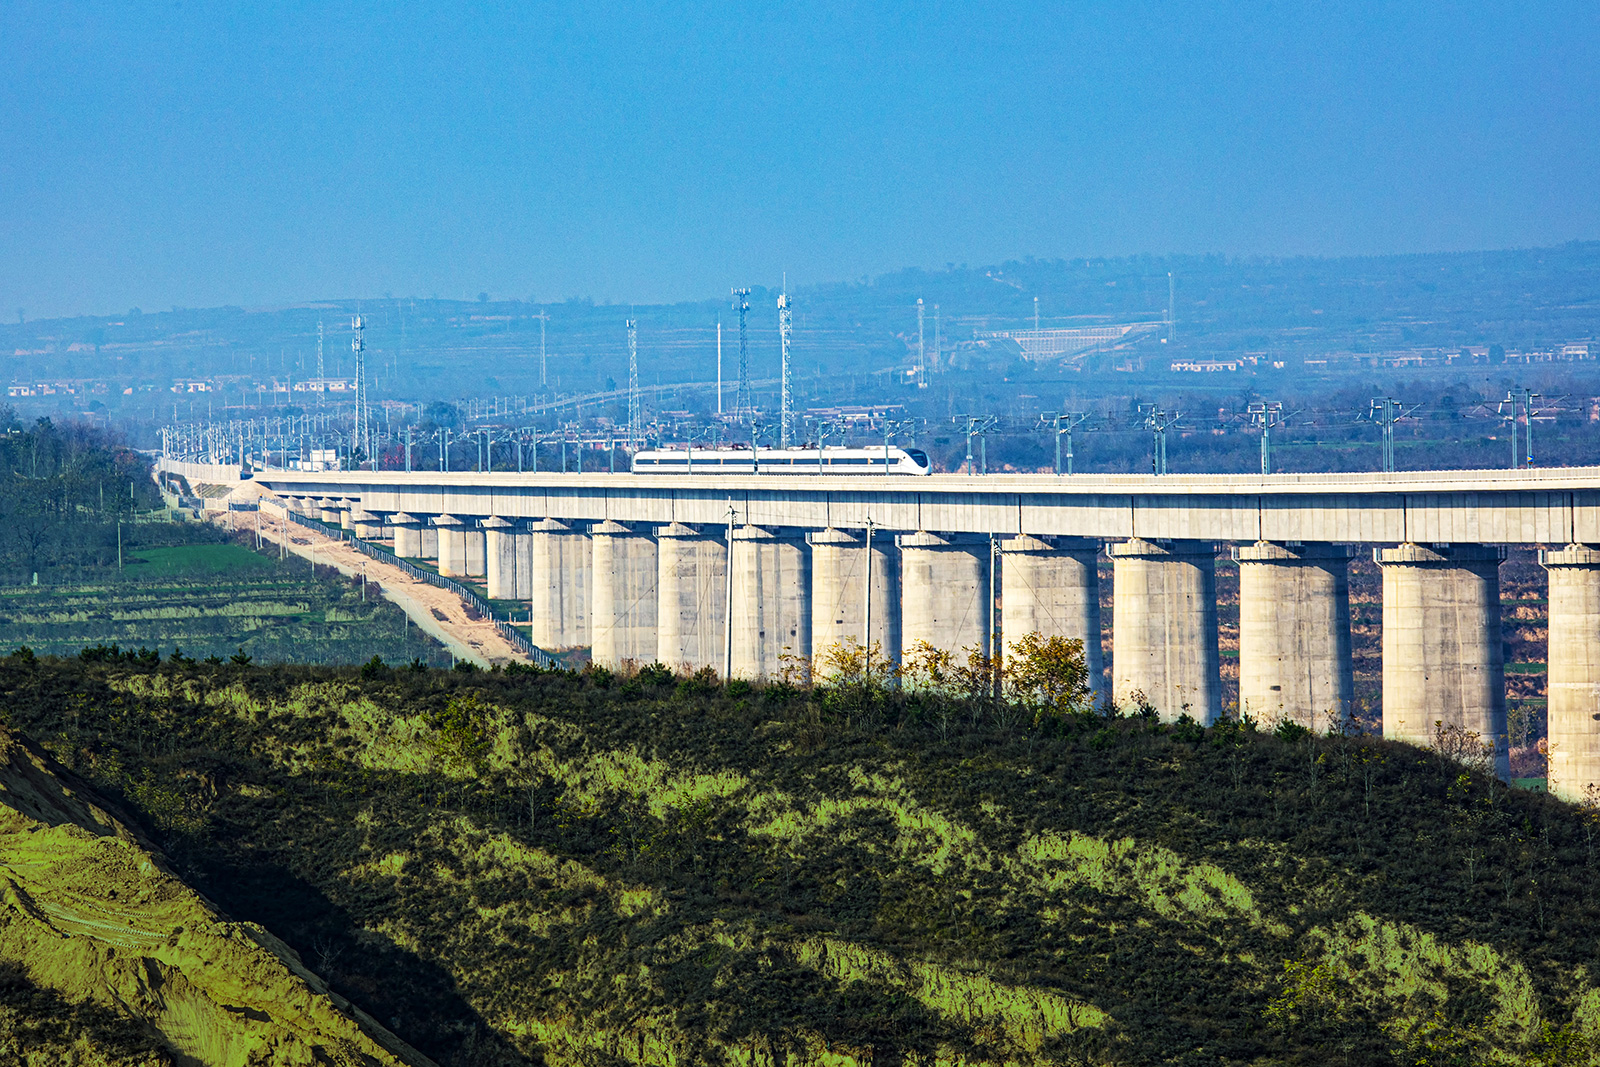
(643, 567)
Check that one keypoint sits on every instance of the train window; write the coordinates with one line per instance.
(918, 456)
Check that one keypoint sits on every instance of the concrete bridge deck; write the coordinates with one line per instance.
(1541, 506)
(641, 568)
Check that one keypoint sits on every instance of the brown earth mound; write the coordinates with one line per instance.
(91, 917)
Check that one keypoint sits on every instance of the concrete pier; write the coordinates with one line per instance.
(428, 539)
(771, 609)
(1573, 681)
(407, 535)
(327, 511)
(623, 619)
(1294, 634)
(500, 550)
(367, 526)
(838, 592)
(1164, 628)
(477, 552)
(1052, 588)
(452, 546)
(558, 569)
(944, 594)
(692, 597)
(1442, 653)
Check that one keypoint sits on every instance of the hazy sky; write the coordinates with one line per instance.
(197, 153)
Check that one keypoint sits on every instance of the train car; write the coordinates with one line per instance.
(837, 460)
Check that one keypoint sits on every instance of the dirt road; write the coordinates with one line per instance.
(439, 613)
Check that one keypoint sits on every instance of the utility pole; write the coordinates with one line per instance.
(786, 415)
(1062, 423)
(866, 619)
(635, 408)
(719, 366)
(742, 405)
(993, 651)
(935, 365)
(727, 625)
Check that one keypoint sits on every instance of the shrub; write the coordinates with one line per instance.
(1289, 730)
(657, 673)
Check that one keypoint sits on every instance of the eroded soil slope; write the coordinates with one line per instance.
(106, 957)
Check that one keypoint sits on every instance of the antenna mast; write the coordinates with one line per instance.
(358, 347)
(741, 399)
(321, 371)
(635, 409)
(786, 418)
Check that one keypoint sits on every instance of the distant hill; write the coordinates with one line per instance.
(433, 348)
(582, 869)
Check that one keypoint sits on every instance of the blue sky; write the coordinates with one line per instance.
(198, 154)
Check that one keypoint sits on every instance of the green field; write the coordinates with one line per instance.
(211, 598)
(159, 561)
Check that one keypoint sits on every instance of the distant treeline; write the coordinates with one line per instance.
(65, 488)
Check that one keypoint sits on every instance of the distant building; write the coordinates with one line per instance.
(1207, 366)
(326, 385)
(191, 386)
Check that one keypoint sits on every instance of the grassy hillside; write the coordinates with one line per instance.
(108, 958)
(580, 869)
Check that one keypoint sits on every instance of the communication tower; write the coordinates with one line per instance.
(786, 418)
(1035, 314)
(741, 400)
(543, 318)
(358, 348)
(321, 371)
(922, 352)
(635, 408)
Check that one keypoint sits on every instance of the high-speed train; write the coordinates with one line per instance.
(839, 460)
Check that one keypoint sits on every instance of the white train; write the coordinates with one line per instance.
(837, 460)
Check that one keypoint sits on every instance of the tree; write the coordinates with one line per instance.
(1048, 674)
